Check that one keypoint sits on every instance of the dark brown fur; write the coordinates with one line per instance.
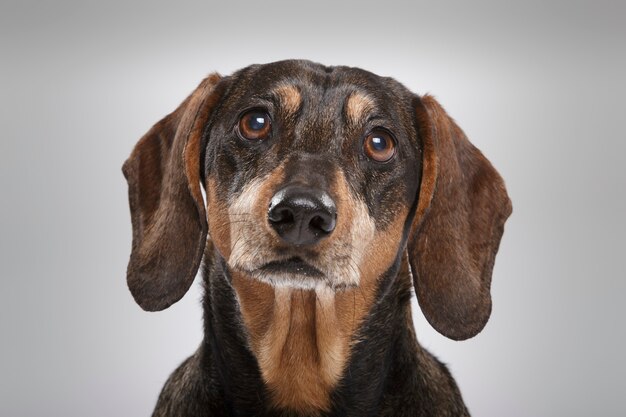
(286, 344)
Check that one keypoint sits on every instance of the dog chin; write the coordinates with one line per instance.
(298, 281)
(296, 273)
(290, 280)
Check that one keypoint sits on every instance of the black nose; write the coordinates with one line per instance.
(302, 215)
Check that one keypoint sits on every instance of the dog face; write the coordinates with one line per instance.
(316, 178)
(311, 174)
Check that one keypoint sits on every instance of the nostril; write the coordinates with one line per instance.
(322, 223)
(317, 223)
(281, 215)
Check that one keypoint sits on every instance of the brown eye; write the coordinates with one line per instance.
(379, 146)
(255, 125)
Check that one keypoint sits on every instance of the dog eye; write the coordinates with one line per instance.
(255, 125)
(379, 146)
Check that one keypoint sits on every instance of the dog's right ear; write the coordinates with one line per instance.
(166, 205)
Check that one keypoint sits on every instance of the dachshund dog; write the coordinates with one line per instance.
(329, 194)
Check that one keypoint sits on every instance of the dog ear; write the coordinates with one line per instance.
(458, 224)
(166, 205)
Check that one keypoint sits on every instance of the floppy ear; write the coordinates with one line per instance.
(457, 228)
(166, 205)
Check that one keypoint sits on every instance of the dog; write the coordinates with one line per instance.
(330, 195)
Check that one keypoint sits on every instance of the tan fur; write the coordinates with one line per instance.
(355, 230)
(301, 338)
(290, 98)
(358, 106)
(382, 250)
(219, 220)
(430, 168)
(251, 240)
(191, 151)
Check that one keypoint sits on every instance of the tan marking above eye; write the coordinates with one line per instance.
(358, 106)
(290, 97)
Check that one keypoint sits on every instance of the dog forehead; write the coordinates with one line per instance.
(311, 82)
(308, 72)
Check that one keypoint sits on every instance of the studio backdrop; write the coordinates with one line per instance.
(539, 87)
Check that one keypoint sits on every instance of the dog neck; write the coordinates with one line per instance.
(300, 338)
(303, 340)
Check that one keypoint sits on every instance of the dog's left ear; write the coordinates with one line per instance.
(166, 205)
(458, 224)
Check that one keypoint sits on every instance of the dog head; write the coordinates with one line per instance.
(316, 177)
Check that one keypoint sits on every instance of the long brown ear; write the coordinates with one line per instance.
(166, 205)
(458, 224)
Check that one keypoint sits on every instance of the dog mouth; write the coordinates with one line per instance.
(292, 272)
(293, 265)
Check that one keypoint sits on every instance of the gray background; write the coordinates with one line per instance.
(538, 86)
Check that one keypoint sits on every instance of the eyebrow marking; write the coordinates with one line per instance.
(358, 105)
(289, 96)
